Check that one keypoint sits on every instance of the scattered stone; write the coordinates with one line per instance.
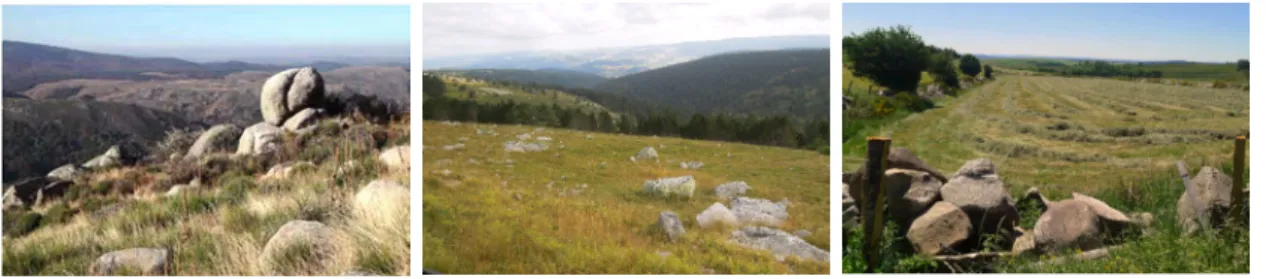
(463, 139)
(544, 139)
(942, 230)
(396, 157)
(517, 146)
(732, 189)
(524, 136)
(216, 139)
(647, 153)
(259, 139)
(146, 261)
(671, 225)
(680, 186)
(67, 172)
(285, 170)
(1212, 201)
(111, 158)
(716, 215)
(277, 255)
(452, 147)
(692, 165)
(589, 136)
(759, 211)
(780, 243)
(803, 233)
(177, 190)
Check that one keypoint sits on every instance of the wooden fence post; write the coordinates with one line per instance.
(873, 199)
(1237, 182)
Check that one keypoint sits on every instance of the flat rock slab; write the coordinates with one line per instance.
(141, 261)
(778, 242)
(680, 186)
(759, 211)
(731, 189)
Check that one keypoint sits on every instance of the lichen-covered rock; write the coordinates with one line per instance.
(67, 172)
(134, 261)
(217, 138)
(1212, 200)
(681, 186)
(731, 189)
(944, 228)
(647, 153)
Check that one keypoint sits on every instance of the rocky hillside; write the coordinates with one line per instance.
(40, 135)
(28, 64)
(508, 199)
(233, 98)
(307, 191)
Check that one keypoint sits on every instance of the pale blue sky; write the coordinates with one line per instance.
(215, 32)
(1138, 31)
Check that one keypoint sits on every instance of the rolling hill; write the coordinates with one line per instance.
(28, 64)
(764, 83)
(615, 62)
(40, 135)
(564, 78)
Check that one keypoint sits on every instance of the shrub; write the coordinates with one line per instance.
(57, 214)
(25, 223)
(970, 65)
(942, 67)
(892, 57)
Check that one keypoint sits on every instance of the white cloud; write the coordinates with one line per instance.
(460, 29)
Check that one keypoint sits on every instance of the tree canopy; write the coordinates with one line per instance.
(891, 57)
(970, 65)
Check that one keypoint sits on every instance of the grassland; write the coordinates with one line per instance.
(1188, 71)
(1070, 134)
(482, 91)
(577, 207)
(222, 227)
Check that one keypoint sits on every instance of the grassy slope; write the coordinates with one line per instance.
(489, 93)
(221, 229)
(473, 222)
(1015, 122)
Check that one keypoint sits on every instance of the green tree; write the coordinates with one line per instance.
(892, 57)
(942, 67)
(432, 86)
(969, 65)
(988, 72)
(1242, 66)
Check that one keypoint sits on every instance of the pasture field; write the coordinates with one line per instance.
(1074, 134)
(577, 207)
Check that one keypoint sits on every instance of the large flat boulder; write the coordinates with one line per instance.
(778, 242)
(759, 211)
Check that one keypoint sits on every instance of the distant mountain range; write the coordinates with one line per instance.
(1075, 58)
(616, 62)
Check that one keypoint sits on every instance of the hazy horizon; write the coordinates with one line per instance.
(455, 30)
(1200, 32)
(256, 34)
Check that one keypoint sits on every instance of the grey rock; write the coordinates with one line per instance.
(286, 170)
(979, 192)
(316, 236)
(780, 243)
(307, 90)
(395, 157)
(681, 186)
(1068, 224)
(977, 168)
(759, 211)
(260, 138)
(272, 97)
(146, 261)
(1212, 200)
(671, 225)
(731, 189)
(303, 121)
(217, 138)
(111, 158)
(67, 172)
(518, 146)
(647, 153)
(1034, 197)
(910, 193)
(692, 165)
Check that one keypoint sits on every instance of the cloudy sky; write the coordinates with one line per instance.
(462, 29)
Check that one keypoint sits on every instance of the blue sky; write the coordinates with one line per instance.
(215, 32)
(1198, 32)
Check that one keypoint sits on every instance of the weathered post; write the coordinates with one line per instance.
(873, 198)
(1237, 182)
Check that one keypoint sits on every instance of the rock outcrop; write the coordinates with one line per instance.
(260, 138)
(312, 239)
(216, 139)
(715, 216)
(134, 261)
(681, 186)
(780, 243)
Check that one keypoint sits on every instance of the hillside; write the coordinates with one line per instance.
(28, 64)
(1181, 70)
(762, 83)
(233, 98)
(40, 135)
(563, 78)
(578, 207)
(616, 62)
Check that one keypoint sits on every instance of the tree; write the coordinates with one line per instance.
(969, 65)
(942, 67)
(988, 72)
(892, 57)
(432, 86)
(1242, 66)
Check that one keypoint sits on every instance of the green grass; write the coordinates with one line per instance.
(1196, 72)
(486, 92)
(484, 215)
